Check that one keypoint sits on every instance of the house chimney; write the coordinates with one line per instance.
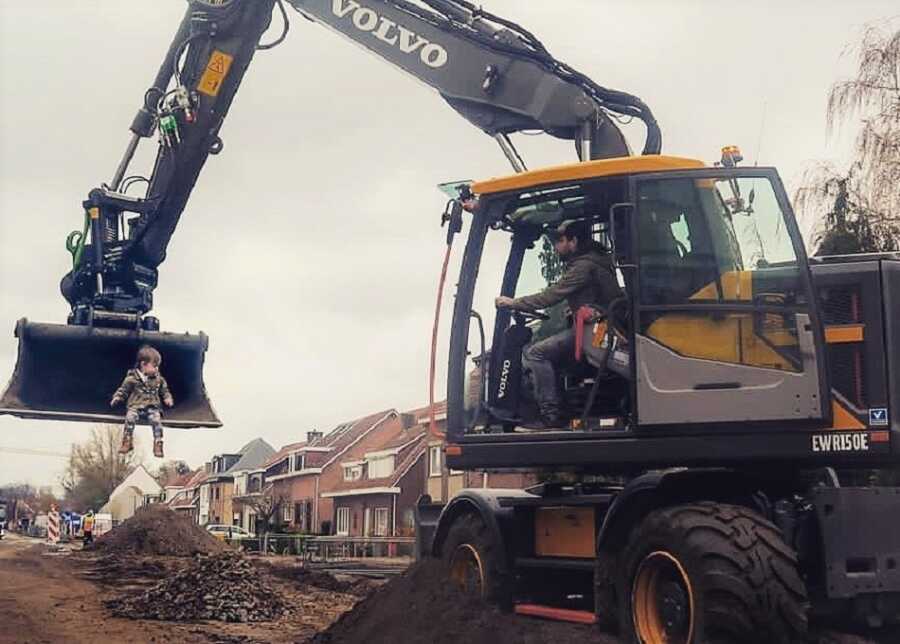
(207, 467)
(313, 436)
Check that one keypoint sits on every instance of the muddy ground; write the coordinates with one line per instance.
(50, 597)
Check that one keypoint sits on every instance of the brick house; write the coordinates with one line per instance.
(186, 500)
(175, 486)
(379, 487)
(219, 484)
(246, 478)
(439, 477)
(299, 472)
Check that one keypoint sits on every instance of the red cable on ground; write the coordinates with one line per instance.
(434, 335)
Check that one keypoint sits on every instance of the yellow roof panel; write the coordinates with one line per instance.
(586, 170)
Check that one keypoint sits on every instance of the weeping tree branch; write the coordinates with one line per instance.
(862, 202)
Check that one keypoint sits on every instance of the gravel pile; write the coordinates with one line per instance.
(223, 587)
(157, 530)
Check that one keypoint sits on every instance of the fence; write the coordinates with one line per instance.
(331, 548)
(337, 548)
(273, 544)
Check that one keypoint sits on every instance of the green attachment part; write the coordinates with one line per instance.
(168, 123)
(76, 240)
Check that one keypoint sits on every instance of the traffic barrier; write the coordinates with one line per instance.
(53, 526)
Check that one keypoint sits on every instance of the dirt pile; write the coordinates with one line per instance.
(157, 530)
(224, 587)
(120, 570)
(305, 577)
(422, 606)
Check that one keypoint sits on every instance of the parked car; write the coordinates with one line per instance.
(222, 531)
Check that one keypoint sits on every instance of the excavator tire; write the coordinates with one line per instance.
(710, 573)
(605, 605)
(474, 561)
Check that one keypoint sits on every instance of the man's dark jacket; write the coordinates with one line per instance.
(589, 279)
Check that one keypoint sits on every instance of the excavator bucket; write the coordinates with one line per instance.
(66, 372)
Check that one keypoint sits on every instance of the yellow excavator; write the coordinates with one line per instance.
(728, 390)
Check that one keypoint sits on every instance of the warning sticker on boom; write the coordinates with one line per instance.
(215, 73)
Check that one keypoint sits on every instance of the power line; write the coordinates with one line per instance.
(32, 452)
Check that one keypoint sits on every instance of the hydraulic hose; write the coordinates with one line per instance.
(432, 424)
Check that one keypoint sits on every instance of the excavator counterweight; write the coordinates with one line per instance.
(69, 372)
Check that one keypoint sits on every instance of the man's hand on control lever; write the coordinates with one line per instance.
(503, 302)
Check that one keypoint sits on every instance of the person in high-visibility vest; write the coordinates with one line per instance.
(87, 527)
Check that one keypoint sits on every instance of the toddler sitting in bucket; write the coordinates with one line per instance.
(143, 391)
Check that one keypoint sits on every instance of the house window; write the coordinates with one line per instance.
(381, 522)
(287, 513)
(343, 521)
(435, 460)
(380, 468)
(352, 472)
(297, 462)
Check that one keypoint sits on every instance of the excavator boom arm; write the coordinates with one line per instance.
(493, 72)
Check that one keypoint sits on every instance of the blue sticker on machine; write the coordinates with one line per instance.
(878, 416)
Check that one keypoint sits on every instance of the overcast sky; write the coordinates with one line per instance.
(310, 250)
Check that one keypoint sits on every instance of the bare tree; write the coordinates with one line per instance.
(265, 505)
(96, 468)
(858, 207)
(171, 470)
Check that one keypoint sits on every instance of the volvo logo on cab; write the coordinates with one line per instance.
(504, 378)
(389, 32)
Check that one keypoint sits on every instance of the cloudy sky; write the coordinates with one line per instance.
(310, 250)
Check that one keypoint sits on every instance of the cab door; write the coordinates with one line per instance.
(726, 330)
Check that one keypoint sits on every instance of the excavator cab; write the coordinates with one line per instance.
(717, 327)
(70, 372)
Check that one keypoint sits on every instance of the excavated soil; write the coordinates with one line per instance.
(421, 606)
(46, 597)
(224, 587)
(157, 530)
(304, 577)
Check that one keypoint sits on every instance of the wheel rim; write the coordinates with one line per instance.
(662, 601)
(467, 570)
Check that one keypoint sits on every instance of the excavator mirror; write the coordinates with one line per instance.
(456, 189)
(70, 372)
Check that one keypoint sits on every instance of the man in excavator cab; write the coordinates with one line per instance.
(589, 280)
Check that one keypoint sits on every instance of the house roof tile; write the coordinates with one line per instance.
(415, 448)
(337, 440)
(253, 456)
(282, 453)
(181, 480)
